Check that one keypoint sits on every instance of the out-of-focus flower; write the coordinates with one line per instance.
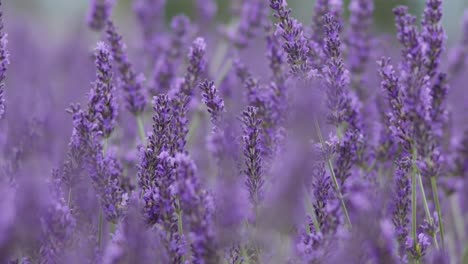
(99, 13)
(129, 81)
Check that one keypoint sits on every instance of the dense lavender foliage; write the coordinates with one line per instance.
(264, 140)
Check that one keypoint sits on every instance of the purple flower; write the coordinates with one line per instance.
(102, 105)
(213, 102)
(157, 143)
(295, 43)
(251, 18)
(359, 39)
(402, 203)
(58, 225)
(130, 82)
(418, 249)
(198, 210)
(150, 14)
(206, 10)
(183, 95)
(99, 13)
(253, 154)
(171, 51)
(3, 64)
(104, 171)
(433, 35)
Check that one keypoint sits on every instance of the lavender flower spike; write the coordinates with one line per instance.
(337, 77)
(198, 211)
(3, 64)
(433, 35)
(295, 43)
(103, 106)
(212, 100)
(183, 96)
(131, 83)
(402, 204)
(99, 13)
(253, 154)
(359, 38)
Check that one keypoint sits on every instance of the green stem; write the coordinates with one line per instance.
(112, 227)
(332, 172)
(180, 225)
(100, 224)
(311, 210)
(141, 129)
(413, 208)
(69, 197)
(439, 211)
(426, 207)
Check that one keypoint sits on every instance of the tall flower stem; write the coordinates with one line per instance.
(141, 129)
(439, 212)
(426, 207)
(100, 224)
(413, 207)
(311, 210)
(332, 172)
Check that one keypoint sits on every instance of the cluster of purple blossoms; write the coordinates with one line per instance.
(266, 142)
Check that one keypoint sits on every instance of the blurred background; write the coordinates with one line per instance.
(59, 16)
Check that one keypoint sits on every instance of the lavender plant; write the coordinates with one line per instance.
(269, 140)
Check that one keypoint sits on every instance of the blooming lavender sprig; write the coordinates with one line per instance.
(251, 18)
(157, 142)
(253, 154)
(3, 63)
(295, 43)
(102, 104)
(197, 65)
(165, 68)
(397, 116)
(198, 209)
(213, 101)
(433, 35)
(131, 83)
(359, 39)
(104, 171)
(181, 30)
(402, 204)
(206, 10)
(99, 13)
(321, 8)
(162, 200)
(184, 93)
(322, 193)
(150, 14)
(58, 225)
(336, 76)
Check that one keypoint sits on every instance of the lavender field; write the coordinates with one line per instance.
(234, 134)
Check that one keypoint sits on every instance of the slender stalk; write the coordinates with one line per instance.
(413, 208)
(426, 207)
(141, 129)
(100, 224)
(69, 197)
(332, 172)
(180, 225)
(439, 212)
(311, 210)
